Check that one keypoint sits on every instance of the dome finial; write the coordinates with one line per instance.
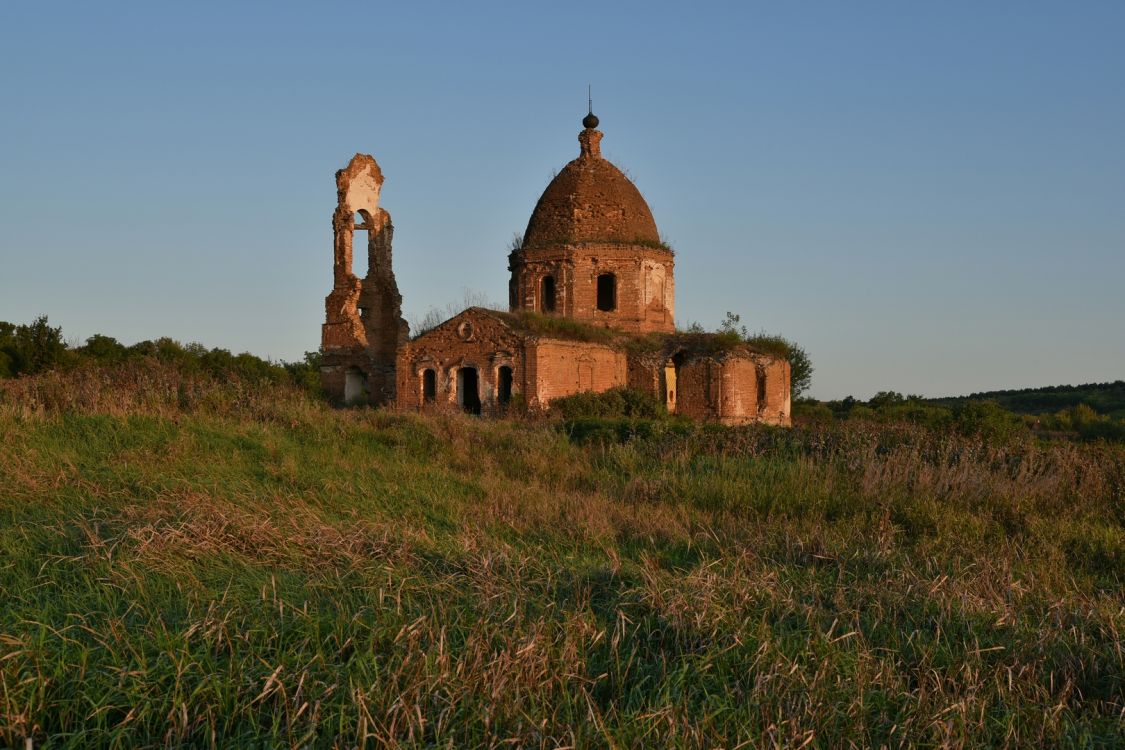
(590, 121)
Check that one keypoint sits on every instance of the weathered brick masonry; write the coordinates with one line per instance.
(591, 253)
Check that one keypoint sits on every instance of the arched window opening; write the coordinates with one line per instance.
(761, 389)
(360, 235)
(355, 386)
(468, 390)
(429, 386)
(504, 385)
(607, 292)
(547, 294)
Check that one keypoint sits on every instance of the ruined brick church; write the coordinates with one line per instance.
(591, 298)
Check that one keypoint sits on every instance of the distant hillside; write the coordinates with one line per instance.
(1104, 398)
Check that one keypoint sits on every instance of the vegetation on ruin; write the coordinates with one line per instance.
(731, 336)
(518, 243)
(190, 559)
(559, 327)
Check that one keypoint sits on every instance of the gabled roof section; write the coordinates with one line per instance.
(533, 325)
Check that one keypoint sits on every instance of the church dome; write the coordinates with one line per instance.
(591, 200)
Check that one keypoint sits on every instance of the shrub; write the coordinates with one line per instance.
(987, 419)
(105, 349)
(812, 411)
(32, 348)
(616, 402)
(609, 430)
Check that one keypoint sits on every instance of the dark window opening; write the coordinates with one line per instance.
(547, 294)
(761, 389)
(429, 386)
(468, 391)
(504, 385)
(607, 292)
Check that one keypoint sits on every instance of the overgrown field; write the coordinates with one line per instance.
(190, 563)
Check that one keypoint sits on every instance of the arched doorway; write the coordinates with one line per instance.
(468, 390)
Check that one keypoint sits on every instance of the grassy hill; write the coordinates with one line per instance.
(1104, 398)
(195, 561)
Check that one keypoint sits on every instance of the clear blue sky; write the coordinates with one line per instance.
(929, 197)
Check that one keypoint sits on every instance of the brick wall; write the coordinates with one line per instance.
(645, 285)
(777, 408)
(695, 381)
(561, 368)
(723, 388)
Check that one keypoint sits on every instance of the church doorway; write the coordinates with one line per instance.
(468, 390)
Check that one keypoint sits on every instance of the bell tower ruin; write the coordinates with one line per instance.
(363, 326)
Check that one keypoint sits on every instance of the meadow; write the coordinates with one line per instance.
(194, 561)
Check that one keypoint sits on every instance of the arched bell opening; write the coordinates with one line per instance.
(361, 240)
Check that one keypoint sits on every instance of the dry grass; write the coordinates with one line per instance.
(191, 563)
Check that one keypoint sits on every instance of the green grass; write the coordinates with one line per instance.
(216, 565)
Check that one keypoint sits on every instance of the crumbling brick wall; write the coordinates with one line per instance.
(735, 387)
(560, 368)
(775, 383)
